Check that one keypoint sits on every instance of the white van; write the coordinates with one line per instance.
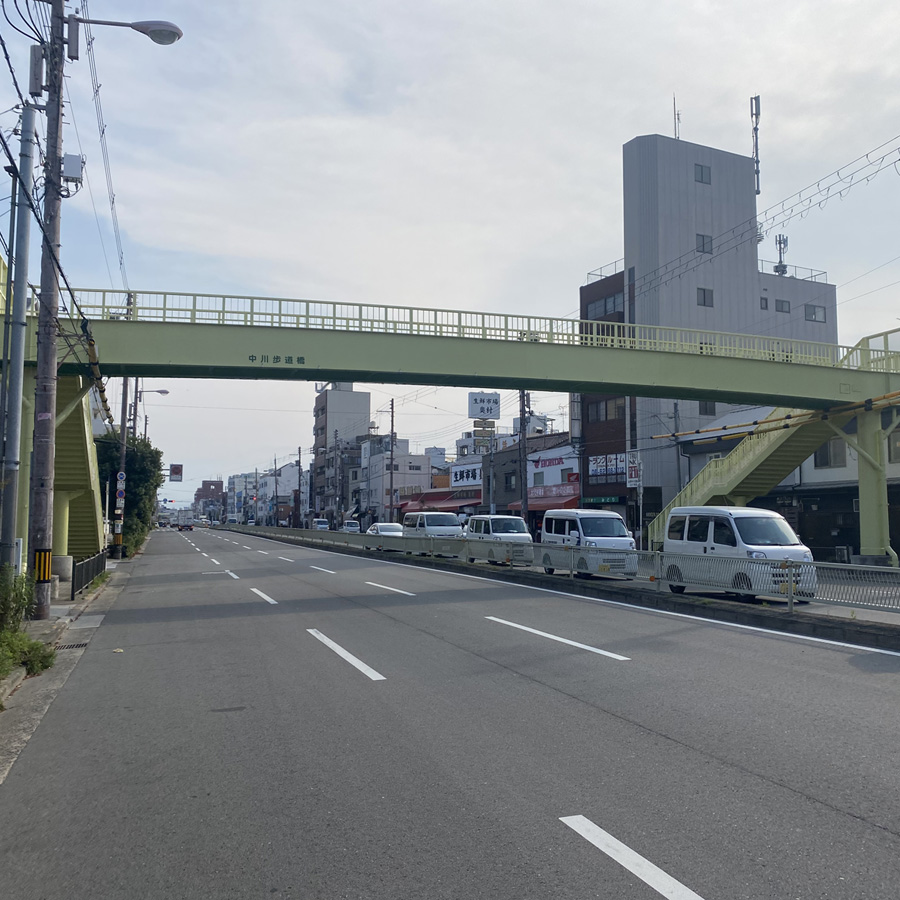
(483, 531)
(320, 524)
(351, 526)
(431, 524)
(595, 532)
(738, 548)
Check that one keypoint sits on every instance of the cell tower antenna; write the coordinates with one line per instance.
(781, 242)
(676, 118)
(754, 117)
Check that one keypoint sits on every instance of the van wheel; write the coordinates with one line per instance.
(471, 559)
(582, 567)
(673, 573)
(741, 584)
(547, 567)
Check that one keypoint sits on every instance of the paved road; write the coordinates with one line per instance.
(286, 722)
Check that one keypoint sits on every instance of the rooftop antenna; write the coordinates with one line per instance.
(781, 242)
(754, 117)
(676, 116)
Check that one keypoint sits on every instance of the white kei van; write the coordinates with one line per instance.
(482, 533)
(736, 548)
(431, 524)
(320, 524)
(591, 530)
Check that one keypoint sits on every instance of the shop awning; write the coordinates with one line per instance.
(440, 500)
(544, 503)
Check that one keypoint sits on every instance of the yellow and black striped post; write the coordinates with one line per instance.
(42, 565)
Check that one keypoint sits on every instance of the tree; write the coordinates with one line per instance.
(143, 466)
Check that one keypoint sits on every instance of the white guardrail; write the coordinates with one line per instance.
(872, 587)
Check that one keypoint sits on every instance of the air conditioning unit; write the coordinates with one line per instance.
(842, 554)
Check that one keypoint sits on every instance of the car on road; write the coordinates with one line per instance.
(350, 527)
(320, 524)
(482, 533)
(380, 530)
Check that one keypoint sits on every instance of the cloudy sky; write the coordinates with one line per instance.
(448, 154)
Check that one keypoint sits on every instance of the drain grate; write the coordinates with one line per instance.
(72, 646)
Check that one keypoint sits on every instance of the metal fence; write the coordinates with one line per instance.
(85, 571)
(791, 581)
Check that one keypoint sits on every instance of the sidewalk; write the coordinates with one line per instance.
(52, 631)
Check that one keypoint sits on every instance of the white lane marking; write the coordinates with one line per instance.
(246, 547)
(229, 572)
(212, 573)
(216, 562)
(320, 569)
(206, 555)
(263, 551)
(265, 597)
(198, 549)
(562, 640)
(651, 875)
(285, 559)
(385, 587)
(366, 670)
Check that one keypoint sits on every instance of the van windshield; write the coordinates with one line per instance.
(603, 526)
(442, 519)
(508, 526)
(764, 531)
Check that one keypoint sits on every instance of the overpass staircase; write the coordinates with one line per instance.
(757, 464)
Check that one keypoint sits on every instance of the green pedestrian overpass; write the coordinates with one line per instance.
(178, 335)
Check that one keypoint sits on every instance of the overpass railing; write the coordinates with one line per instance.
(273, 312)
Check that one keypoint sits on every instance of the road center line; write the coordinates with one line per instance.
(358, 663)
(216, 562)
(644, 869)
(206, 555)
(229, 572)
(562, 640)
(265, 597)
(386, 588)
(320, 569)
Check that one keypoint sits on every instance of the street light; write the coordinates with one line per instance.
(139, 393)
(41, 526)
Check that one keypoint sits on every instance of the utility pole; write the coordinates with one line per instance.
(15, 389)
(391, 519)
(275, 471)
(119, 524)
(40, 535)
(523, 451)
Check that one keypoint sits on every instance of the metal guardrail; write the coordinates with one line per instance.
(214, 309)
(869, 587)
(85, 571)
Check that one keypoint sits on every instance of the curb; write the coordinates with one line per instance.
(874, 635)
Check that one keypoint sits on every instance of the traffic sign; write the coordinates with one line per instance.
(120, 493)
(120, 476)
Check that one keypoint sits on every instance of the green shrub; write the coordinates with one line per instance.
(17, 649)
(16, 598)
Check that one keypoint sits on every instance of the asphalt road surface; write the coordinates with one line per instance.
(288, 722)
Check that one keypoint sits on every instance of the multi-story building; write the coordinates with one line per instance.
(691, 261)
(210, 500)
(370, 481)
(340, 416)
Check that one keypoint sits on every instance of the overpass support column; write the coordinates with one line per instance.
(874, 532)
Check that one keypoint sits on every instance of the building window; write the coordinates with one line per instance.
(702, 174)
(606, 410)
(605, 306)
(831, 455)
(413, 468)
(707, 407)
(894, 446)
(782, 306)
(509, 481)
(763, 302)
(814, 313)
(538, 479)
(564, 475)
(704, 297)
(704, 243)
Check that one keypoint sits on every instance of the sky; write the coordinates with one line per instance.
(461, 155)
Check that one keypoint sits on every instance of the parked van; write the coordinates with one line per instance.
(320, 524)
(351, 526)
(592, 530)
(431, 524)
(738, 548)
(483, 531)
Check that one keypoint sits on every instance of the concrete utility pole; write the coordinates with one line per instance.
(391, 519)
(16, 367)
(40, 532)
(523, 451)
